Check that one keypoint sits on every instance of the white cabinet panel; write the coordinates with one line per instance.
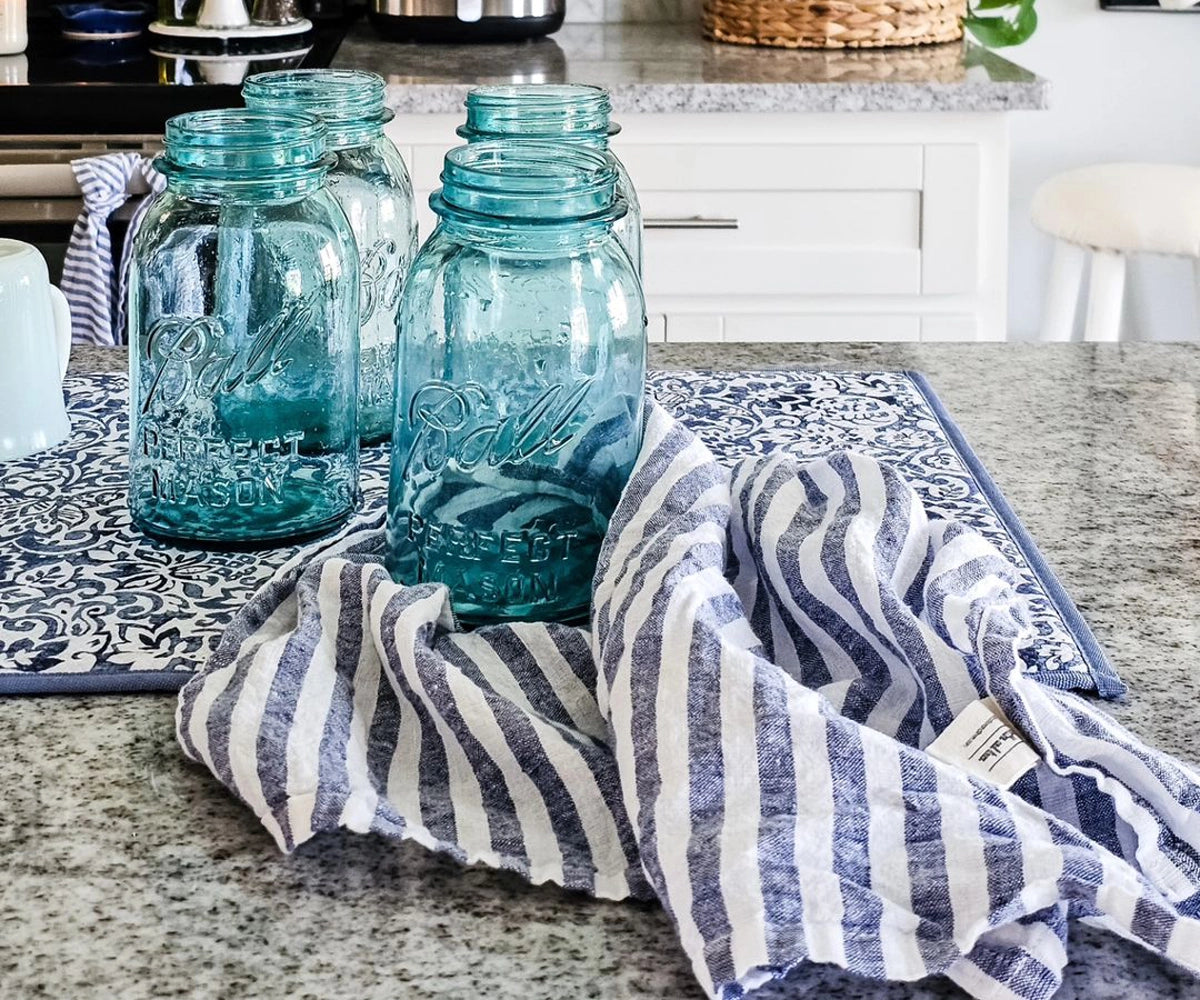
(950, 219)
(748, 167)
(426, 163)
(949, 327)
(684, 267)
(656, 328)
(821, 327)
(684, 329)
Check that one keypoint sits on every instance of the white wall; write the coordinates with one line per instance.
(1124, 86)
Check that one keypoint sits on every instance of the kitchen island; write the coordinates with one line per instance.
(787, 195)
(126, 872)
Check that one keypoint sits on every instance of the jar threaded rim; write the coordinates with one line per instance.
(549, 110)
(243, 146)
(528, 182)
(347, 100)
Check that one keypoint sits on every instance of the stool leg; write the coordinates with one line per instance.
(1196, 289)
(1105, 297)
(1062, 293)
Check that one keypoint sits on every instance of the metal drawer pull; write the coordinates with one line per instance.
(694, 222)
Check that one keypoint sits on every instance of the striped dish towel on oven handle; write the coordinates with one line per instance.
(91, 280)
(741, 734)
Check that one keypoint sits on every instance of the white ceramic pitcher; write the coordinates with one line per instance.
(35, 344)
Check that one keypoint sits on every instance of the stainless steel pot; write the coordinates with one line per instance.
(466, 20)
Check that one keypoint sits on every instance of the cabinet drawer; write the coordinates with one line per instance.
(867, 254)
(847, 167)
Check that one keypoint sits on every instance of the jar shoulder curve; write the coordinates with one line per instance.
(168, 213)
(609, 258)
(390, 155)
(324, 207)
(378, 163)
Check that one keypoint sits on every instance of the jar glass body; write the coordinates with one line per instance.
(371, 183)
(373, 187)
(243, 365)
(519, 414)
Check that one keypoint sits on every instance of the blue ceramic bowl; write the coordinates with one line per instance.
(110, 19)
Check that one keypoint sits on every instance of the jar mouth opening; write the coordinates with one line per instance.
(242, 144)
(538, 109)
(337, 96)
(544, 94)
(528, 181)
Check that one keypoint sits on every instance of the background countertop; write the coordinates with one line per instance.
(665, 67)
(127, 872)
(672, 67)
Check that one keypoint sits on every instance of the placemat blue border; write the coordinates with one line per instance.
(1103, 675)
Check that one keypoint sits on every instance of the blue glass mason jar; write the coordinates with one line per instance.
(520, 383)
(243, 337)
(371, 183)
(571, 113)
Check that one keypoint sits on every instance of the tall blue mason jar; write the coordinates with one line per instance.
(243, 337)
(520, 383)
(371, 183)
(571, 113)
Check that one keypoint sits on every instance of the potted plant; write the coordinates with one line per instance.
(998, 23)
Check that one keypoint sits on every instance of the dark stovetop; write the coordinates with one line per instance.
(132, 87)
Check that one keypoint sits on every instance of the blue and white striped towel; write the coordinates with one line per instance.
(740, 734)
(94, 289)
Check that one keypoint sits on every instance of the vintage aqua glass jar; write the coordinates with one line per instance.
(243, 339)
(571, 113)
(520, 383)
(371, 183)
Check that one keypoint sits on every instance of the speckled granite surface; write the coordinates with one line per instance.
(127, 873)
(671, 67)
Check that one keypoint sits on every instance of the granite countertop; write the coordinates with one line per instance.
(672, 67)
(127, 872)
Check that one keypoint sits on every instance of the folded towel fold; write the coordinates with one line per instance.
(743, 733)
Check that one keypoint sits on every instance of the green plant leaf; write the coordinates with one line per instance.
(1012, 24)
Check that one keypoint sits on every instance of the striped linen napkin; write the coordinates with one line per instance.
(742, 734)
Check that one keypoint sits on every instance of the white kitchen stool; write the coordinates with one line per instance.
(1112, 210)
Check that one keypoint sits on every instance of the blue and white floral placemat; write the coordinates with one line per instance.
(88, 604)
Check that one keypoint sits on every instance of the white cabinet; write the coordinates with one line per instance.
(777, 227)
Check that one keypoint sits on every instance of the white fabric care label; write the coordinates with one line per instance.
(983, 743)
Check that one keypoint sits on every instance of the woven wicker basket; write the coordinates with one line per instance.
(834, 24)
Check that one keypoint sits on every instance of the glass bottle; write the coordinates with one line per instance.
(371, 183)
(560, 113)
(243, 339)
(520, 383)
